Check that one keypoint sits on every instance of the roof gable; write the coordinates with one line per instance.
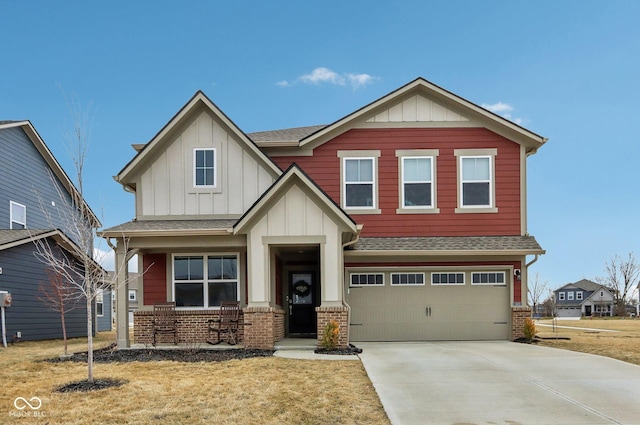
(421, 101)
(293, 176)
(194, 105)
(52, 163)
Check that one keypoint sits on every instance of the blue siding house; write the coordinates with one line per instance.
(34, 201)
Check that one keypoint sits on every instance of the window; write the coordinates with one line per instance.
(407, 279)
(204, 172)
(487, 278)
(100, 303)
(447, 278)
(579, 295)
(561, 296)
(359, 187)
(417, 188)
(366, 279)
(476, 190)
(205, 280)
(570, 296)
(132, 294)
(358, 183)
(18, 214)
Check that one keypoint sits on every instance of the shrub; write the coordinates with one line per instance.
(331, 335)
(529, 329)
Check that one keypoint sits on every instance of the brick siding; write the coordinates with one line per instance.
(339, 314)
(193, 327)
(263, 327)
(518, 316)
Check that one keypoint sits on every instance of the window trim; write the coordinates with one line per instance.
(205, 280)
(579, 296)
(215, 169)
(135, 296)
(464, 278)
(399, 273)
(570, 296)
(561, 296)
(366, 285)
(12, 220)
(476, 153)
(504, 278)
(100, 300)
(372, 155)
(432, 154)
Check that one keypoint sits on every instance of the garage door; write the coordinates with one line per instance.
(384, 311)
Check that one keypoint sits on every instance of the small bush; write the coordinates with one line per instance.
(529, 330)
(331, 335)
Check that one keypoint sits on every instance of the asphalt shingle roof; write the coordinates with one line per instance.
(456, 243)
(8, 236)
(285, 135)
(165, 225)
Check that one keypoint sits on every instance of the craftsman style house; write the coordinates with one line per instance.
(35, 203)
(404, 220)
(583, 298)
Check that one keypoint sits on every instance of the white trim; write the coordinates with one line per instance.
(12, 219)
(489, 153)
(392, 274)
(579, 296)
(100, 300)
(431, 182)
(215, 169)
(570, 296)
(366, 285)
(456, 272)
(205, 280)
(134, 293)
(489, 272)
(561, 296)
(373, 182)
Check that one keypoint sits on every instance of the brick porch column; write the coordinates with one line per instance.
(263, 326)
(518, 316)
(339, 314)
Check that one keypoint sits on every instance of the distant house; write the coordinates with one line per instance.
(31, 209)
(583, 298)
(132, 296)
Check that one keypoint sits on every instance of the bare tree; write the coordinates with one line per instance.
(59, 296)
(622, 275)
(536, 289)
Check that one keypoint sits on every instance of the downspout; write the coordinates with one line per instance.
(344, 287)
(526, 275)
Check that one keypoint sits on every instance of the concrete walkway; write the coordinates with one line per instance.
(500, 383)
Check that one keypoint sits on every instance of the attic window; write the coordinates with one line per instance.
(204, 164)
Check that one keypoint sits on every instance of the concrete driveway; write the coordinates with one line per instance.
(500, 383)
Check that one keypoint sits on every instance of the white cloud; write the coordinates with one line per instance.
(503, 109)
(107, 260)
(323, 75)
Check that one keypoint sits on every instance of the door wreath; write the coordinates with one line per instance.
(301, 288)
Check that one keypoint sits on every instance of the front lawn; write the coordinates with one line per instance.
(592, 337)
(266, 390)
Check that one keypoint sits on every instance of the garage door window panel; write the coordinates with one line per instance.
(366, 279)
(447, 278)
(407, 279)
(488, 278)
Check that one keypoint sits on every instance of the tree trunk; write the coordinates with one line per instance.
(89, 341)
(64, 330)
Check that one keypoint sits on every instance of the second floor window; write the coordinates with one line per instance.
(18, 215)
(417, 188)
(204, 168)
(476, 181)
(359, 183)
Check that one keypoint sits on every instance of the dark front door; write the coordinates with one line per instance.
(587, 310)
(302, 303)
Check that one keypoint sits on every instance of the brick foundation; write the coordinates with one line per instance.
(518, 316)
(193, 327)
(341, 315)
(263, 327)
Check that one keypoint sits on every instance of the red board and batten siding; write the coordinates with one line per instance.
(154, 278)
(324, 168)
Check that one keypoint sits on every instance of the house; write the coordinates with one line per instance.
(132, 295)
(404, 220)
(583, 298)
(35, 195)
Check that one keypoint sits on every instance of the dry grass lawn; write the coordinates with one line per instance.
(252, 391)
(623, 345)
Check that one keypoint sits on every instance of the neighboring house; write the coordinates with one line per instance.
(583, 298)
(132, 296)
(404, 220)
(31, 209)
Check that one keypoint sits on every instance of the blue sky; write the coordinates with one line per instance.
(567, 70)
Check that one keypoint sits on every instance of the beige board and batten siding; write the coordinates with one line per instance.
(167, 186)
(429, 312)
(295, 218)
(417, 109)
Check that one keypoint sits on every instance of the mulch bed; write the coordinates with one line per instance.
(112, 355)
(351, 350)
(86, 386)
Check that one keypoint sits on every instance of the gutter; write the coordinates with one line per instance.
(344, 287)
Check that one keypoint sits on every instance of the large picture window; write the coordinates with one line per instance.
(204, 170)
(359, 183)
(205, 280)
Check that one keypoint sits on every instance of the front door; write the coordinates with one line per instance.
(302, 304)
(587, 310)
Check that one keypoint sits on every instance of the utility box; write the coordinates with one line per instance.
(5, 299)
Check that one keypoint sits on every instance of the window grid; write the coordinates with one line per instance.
(578, 295)
(366, 279)
(407, 279)
(570, 296)
(476, 185)
(561, 296)
(447, 278)
(488, 278)
(204, 164)
(205, 280)
(18, 212)
(359, 182)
